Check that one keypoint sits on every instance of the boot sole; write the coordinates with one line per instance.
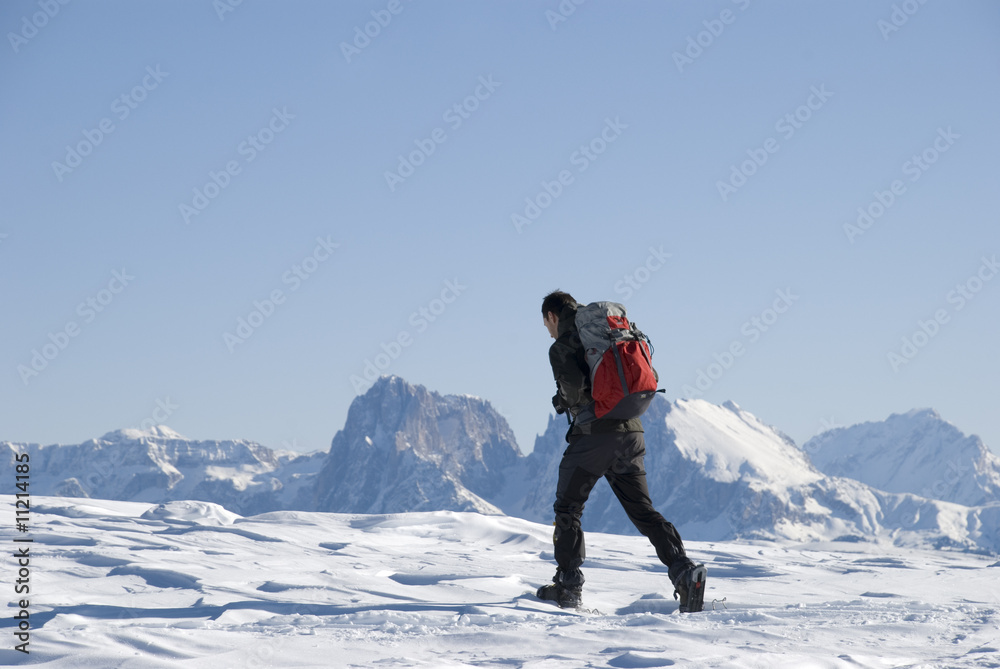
(696, 590)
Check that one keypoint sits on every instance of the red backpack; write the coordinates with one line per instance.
(622, 378)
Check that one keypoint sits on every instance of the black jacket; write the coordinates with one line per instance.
(572, 375)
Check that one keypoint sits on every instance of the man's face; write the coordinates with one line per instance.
(551, 322)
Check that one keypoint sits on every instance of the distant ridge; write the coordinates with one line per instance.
(917, 452)
(159, 465)
(715, 471)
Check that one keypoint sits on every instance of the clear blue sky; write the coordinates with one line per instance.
(287, 137)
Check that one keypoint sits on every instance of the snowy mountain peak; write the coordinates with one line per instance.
(920, 414)
(731, 444)
(916, 452)
(161, 432)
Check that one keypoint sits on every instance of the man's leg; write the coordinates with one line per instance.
(572, 491)
(627, 477)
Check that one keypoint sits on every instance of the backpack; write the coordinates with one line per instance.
(622, 378)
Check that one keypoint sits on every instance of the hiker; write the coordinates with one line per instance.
(608, 447)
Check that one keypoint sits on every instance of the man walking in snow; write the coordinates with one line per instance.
(601, 447)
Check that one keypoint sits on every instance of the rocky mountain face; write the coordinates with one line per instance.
(404, 448)
(716, 472)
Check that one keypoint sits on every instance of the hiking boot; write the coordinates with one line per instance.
(566, 590)
(566, 598)
(689, 587)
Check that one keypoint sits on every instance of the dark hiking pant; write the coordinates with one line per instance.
(618, 457)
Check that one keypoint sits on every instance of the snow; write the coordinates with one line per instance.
(189, 584)
(189, 512)
(155, 432)
(731, 443)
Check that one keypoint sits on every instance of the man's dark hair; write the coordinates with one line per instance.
(555, 301)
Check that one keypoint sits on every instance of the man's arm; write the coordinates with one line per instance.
(572, 379)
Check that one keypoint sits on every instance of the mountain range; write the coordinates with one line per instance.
(915, 452)
(159, 465)
(716, 471)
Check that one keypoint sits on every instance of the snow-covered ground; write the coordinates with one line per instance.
(120, 584)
